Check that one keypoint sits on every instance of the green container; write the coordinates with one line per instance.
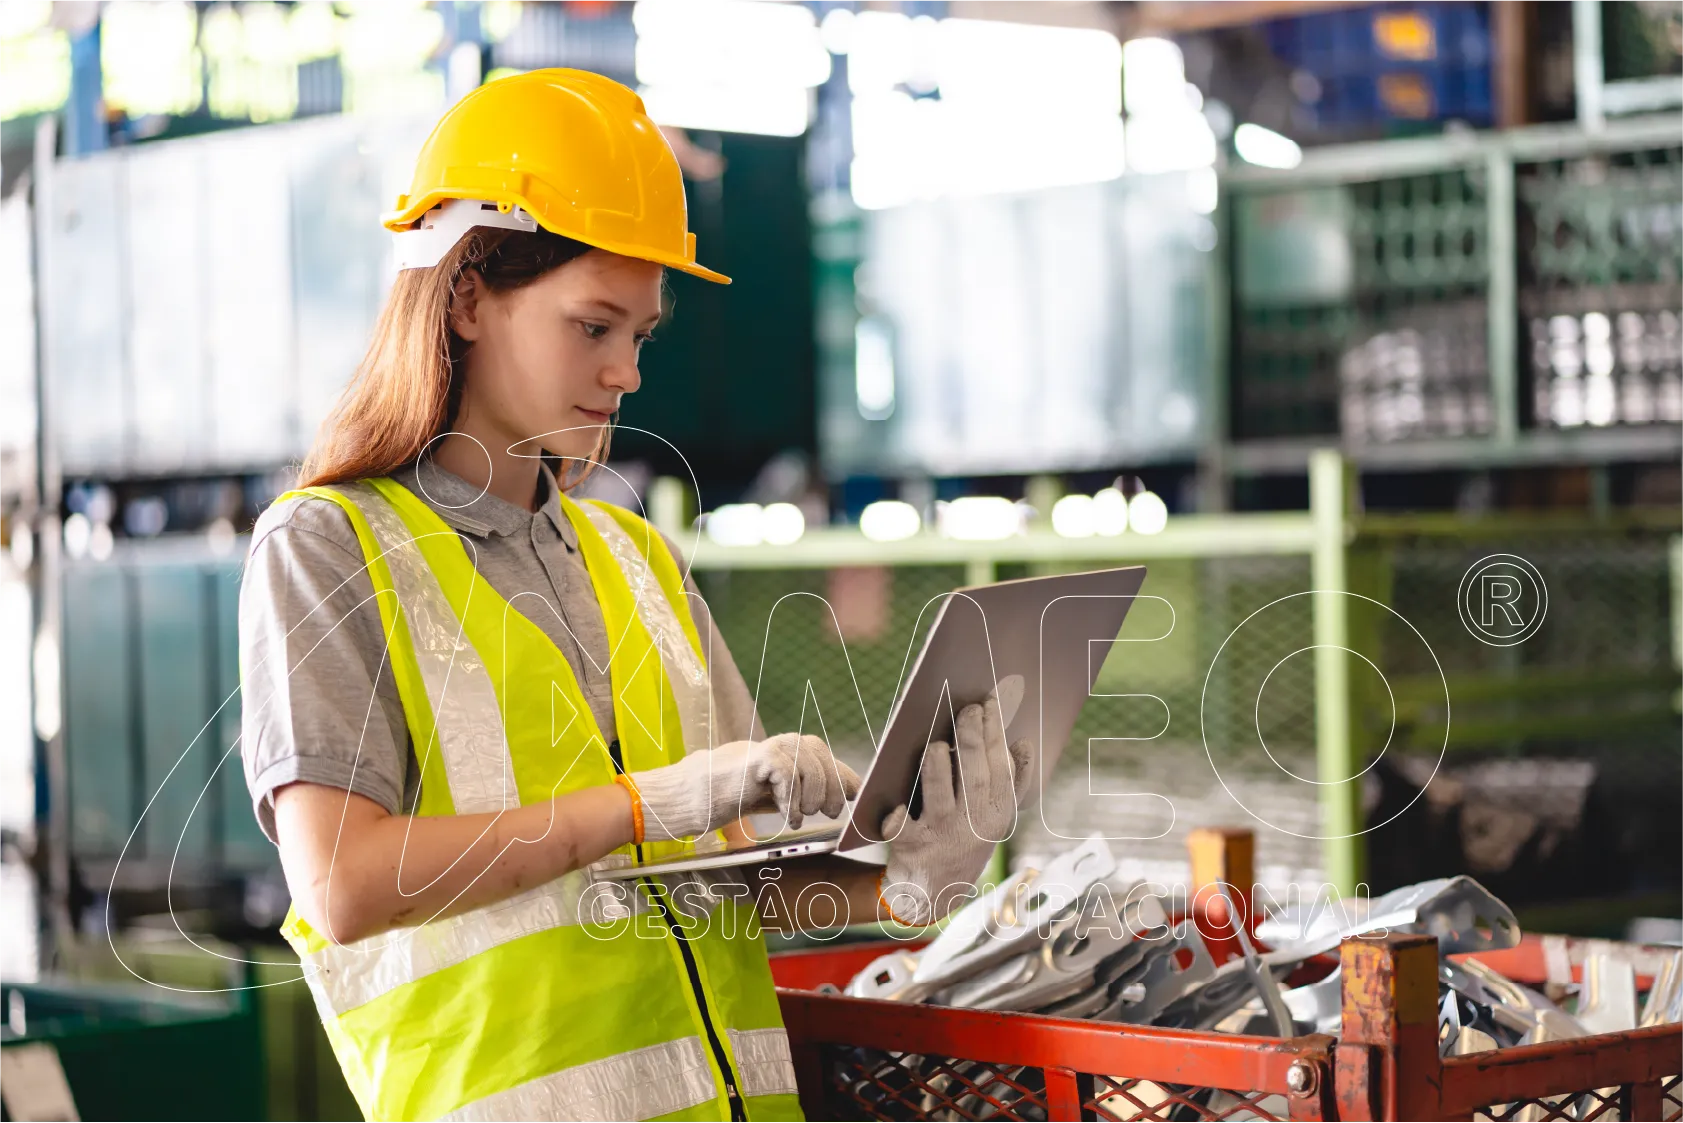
(138, 1052)
(301, 1078)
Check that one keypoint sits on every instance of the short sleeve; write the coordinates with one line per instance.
(319, 704)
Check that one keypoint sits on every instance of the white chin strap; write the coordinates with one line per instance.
(424, 245)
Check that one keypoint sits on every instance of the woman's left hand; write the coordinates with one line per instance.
(934, 859)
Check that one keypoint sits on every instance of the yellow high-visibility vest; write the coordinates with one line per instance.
(565, 1001)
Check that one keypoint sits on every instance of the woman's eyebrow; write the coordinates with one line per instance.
(610, 306)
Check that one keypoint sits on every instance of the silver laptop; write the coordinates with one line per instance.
(1041, 640)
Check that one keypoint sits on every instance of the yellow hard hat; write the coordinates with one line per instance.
(573, 150)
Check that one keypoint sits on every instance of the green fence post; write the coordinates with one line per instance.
(1675, 554)
(1589, 73)
(1502, 297)
(1335, 745)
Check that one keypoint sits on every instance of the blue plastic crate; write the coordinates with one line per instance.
(1404, 94)
(1349, 40)
(1391, 62)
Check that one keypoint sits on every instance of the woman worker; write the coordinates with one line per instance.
(463, 688)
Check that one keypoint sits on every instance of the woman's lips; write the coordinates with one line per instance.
(595, 415)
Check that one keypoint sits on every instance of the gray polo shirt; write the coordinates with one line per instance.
(319, 702)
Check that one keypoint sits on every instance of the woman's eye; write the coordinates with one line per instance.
(596, 331)
(645, 337)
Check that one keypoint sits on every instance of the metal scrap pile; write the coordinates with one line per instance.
(1035, 944)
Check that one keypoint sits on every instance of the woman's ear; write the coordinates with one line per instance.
(464, 304)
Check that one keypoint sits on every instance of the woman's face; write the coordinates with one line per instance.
(550, 361)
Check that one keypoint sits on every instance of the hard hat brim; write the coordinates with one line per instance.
(401, 220)
(690, 267)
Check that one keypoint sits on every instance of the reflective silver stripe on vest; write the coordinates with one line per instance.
(763, 1063)
(348, 975)
(466, 718)
(638, 1084)
(480, 773)
(691, 687)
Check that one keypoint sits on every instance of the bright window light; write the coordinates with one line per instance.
(1167, 131)
(1170, 142)
(251, 55)
(873, 369)
(880, 51)
(1075, 69)
(384, 50)
(20, 18)
(1056, 122)
(1266, 148)
(729, 65)
(389, 36)
(34, 72)
(314, 31)
(1110, 512)
(889, 520)
(48, 714)
(767, 111)
(77, 531)
(1072, 516)
(735, 42)
(908, 150)
(222, 32)
(1147, 513)
(979, 518)
(1153, 75)
(837, 30)
(148, 57)
(498, 18)
(1203, 190)
(737, 524)
(782, 524)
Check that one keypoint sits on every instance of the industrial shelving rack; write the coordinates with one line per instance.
(1453, 209)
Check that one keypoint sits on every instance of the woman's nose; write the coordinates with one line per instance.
(622, 376)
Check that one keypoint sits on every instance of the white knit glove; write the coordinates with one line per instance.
(789, 773)
(934, 859)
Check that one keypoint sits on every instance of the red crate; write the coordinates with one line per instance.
(866, 1059)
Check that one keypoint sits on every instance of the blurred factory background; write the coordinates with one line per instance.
(1272, 296)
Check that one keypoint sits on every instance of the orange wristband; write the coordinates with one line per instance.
(888, 908)
(625, 782)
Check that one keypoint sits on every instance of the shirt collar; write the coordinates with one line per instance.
(468, 508)
(552, 506)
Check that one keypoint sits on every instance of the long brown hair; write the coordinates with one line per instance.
(408, 387)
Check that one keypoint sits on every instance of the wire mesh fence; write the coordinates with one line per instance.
(1135, 765)
(1205, 713)
(1603, 655)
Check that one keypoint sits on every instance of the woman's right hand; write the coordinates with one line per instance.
(790, 773)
